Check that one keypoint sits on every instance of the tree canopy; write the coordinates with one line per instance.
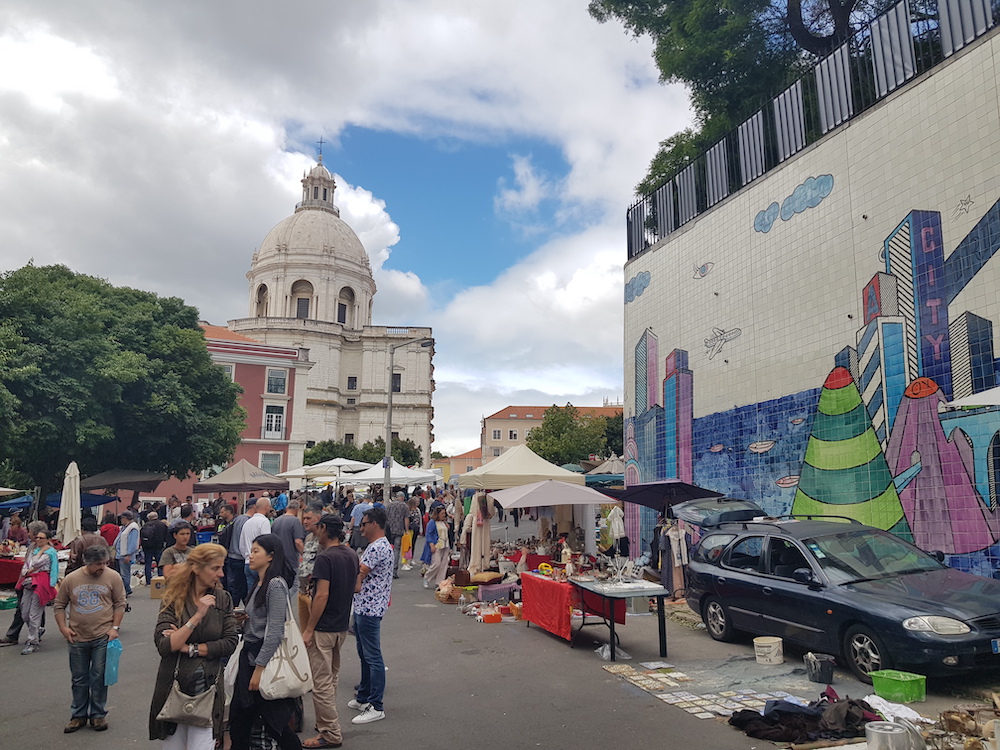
(567, 436)
(405, 452)
(732, 55)
(109, 377)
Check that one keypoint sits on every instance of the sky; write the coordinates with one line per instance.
(485, 153)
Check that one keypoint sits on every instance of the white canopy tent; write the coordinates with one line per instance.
(514, 468)
(548, 492)
(398, 474)
(334, 467)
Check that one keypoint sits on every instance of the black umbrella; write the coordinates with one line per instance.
(660, 495)
(124, 479)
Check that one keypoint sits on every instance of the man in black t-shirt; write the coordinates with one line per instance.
(335, 573)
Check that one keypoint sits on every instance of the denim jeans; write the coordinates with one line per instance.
(125, 570)
(152, 555)
(86, 666)
(368, 634)
(236, 580)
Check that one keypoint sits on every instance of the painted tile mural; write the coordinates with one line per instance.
(876, 439)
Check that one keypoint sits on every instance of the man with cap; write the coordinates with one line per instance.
(126, 547)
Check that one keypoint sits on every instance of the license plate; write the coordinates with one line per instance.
(995, 643)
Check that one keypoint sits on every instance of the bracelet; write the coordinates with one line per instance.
(192, 650)
(189, 625)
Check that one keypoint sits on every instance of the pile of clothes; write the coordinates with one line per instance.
(828, 718)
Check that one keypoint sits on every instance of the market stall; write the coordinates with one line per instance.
(549, 604)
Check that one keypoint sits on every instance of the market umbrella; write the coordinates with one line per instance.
(242, 476)
(69, 527)
(9, 491)
(124, 479)
(548, 492)
(660, 495)
(613, 465)
(333, 467)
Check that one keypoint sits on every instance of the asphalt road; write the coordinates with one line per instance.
(452, 683)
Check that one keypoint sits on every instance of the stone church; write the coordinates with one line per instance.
(311, 287)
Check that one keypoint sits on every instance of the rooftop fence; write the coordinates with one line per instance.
(896, 47)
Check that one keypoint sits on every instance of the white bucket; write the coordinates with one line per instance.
(768, 650)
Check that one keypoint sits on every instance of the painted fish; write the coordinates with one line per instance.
(717, 448)
(798, 420)
(761, 446)
(789, 481)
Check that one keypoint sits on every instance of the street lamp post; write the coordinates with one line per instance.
(425, 341)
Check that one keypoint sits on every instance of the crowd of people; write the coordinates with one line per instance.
(330, 558)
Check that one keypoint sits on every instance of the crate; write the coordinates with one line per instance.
(9, 602)
(899, 687)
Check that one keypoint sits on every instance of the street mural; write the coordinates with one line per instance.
(876, 440)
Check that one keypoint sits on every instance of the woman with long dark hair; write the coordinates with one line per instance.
(195, 631)
(267, 607)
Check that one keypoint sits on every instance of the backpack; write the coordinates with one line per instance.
(147, 535)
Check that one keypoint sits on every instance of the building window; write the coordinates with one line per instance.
(352, 382)
(310, 443)
(395, 436)
(469, 467)
(496, 451)
(352, 401)
(230, 371)
(341, 313)
(315, 192)
(512, 435)
(324, 194)
(526, 433)
(496, 434)
(529, 416)
(348, 438)
(302, 293)
(302, 307)
(271, 462)
(277, 381)
(397, 382)
(274, 423)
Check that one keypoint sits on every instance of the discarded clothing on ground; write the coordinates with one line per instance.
(828, 718)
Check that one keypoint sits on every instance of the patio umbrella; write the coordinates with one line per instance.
(548, 492)
(124, 479)
(613, 465)
(9, 491)
(660, 495)
(69, 527)
(398, 474)
(242, 476)
(333, 467)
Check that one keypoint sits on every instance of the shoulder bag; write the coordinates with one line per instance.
(181, 708)
(287, 674)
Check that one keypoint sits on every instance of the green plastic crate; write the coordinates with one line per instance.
(899, 687)
(8, 603)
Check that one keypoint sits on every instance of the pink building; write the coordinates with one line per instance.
(267, 375)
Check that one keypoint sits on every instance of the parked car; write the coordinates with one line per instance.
(847, 589)
(713, 511)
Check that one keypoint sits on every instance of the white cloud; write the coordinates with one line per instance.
(148, 143)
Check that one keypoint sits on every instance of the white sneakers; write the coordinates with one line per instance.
(353, 703)
(369, 715)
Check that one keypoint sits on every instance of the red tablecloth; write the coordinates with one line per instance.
(533, 560)
(9, 571)
(549, 604)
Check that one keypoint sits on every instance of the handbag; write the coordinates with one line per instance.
(232, 669)
(287, 674)
(181, 708)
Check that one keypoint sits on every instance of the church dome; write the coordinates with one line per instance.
(310, 235)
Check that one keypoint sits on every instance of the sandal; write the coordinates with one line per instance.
(320, 741)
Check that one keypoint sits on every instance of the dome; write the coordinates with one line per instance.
(310, 234)
(321, 172)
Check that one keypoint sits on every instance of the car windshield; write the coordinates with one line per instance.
(868, 555)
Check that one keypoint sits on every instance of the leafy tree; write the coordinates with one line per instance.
(614, 433)
(437, 456)
(566, 436)
(107, 376)
(405, 452)
(732, 55)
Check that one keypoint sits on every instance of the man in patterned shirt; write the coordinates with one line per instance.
(371, 600)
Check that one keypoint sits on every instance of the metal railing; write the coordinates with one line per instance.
(885, 55)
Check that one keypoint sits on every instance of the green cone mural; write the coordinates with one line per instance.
(844, 472)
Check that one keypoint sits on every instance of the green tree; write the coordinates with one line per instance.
(732, 55)
(566, 436)
(437, 456)
(405, 452)
(107, 376)
(614, 433)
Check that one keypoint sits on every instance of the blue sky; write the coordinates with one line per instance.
(485, 154)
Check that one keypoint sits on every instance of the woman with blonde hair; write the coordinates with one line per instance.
(195, 631)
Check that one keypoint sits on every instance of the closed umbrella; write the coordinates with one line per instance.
(9, 491)
(69, 527)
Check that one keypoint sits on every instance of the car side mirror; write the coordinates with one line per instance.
(938, 555)
(803, 575)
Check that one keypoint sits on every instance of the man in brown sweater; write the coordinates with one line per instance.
(88, 538)
(94, 597)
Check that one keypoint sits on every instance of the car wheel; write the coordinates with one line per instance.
(716, 619)
(865, 652)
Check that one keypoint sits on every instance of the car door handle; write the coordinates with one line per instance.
(720, 580)
(768, 590)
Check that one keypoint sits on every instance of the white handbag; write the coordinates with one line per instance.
(232, 668)
(287, 674)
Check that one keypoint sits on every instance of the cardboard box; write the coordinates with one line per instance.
(157, 586)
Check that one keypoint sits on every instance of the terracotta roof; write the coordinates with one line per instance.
(538, 412)
(474, 453)
(219, 333)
